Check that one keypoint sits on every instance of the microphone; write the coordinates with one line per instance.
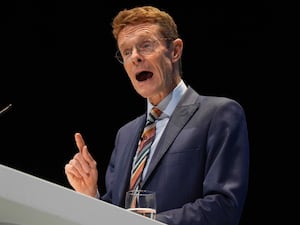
(5, 109)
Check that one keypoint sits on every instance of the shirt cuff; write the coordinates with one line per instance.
(97, 194)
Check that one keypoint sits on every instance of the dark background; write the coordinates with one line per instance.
(59, 72)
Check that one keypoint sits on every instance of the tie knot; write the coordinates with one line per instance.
(154, 114)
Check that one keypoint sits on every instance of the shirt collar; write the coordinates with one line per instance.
(168, 104)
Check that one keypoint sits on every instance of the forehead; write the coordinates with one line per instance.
(133, 32)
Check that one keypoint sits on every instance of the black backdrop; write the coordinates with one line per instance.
(59, 72)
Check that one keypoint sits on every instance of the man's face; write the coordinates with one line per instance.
(147, 60)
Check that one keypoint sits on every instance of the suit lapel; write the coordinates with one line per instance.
(123, 175)
(179, 118)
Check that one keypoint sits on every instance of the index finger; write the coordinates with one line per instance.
(79, 141)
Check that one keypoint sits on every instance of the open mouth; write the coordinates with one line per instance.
(144, 76)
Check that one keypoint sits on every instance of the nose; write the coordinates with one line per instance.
(135, 55)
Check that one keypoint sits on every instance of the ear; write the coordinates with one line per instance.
(177, 49)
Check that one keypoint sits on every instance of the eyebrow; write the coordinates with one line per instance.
(140, 38)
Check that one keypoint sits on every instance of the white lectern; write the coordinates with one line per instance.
(29, 200)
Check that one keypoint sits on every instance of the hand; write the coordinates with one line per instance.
(81, 171)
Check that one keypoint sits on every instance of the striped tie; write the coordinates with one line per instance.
(143, 149)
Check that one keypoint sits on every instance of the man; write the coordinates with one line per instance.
(198, 163)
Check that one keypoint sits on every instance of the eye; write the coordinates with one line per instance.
(146, 45)
(126, 52)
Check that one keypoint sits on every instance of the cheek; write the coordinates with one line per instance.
(129, 74)
(165, 67)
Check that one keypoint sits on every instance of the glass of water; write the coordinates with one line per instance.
(142, 202)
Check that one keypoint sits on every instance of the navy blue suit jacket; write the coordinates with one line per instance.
(201, 165)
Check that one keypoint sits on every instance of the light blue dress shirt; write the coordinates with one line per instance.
(167, 105)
